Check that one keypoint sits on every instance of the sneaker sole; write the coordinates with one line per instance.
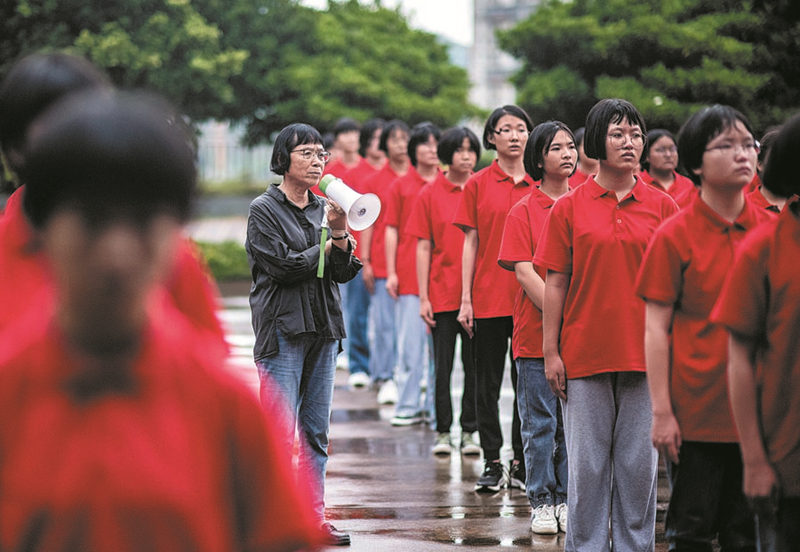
(516, 483)
(442, 451)
(471, 451)
(404, 423)
(545, 531)
(487, 488)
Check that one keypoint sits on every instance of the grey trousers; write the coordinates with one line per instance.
(613, 466)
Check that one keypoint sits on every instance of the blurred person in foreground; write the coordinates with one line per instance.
(296, 311)
(125, 436)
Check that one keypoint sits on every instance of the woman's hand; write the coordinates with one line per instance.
(369, 277)
(666, 436)
(465, 317)
(760, 481)
(392, 285)
(426, 312)
(337, 218)
(556, 375)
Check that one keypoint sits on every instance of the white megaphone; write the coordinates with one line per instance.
(362, 209)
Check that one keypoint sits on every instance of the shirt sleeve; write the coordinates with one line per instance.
(554, 251)
(267, 249)
(660, 277)
(344, 265)
(516, 245)
(467, 213)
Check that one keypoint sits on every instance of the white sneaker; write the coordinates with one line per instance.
(387, 393)
(544, 521)
(561, 516)
(443, 444)
(358, 380)
(469, 445)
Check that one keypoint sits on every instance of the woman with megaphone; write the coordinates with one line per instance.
(296, 307)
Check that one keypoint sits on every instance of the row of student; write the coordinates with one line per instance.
(122, 430)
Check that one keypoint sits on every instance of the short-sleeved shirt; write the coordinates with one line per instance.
(600, 242)
(523, 228)
(380, 184)
(758, 199)
(431, 220)
(488, 197)
(681, 189)
(577, 178)
(761, 301)
(173, 456)
(685, 266)
(402, 197)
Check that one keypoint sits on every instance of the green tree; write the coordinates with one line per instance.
(668, 57)
(162, 45)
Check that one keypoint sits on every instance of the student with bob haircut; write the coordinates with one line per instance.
(550, 157)
(758, 193)
(297, 316)
(683, 270)
(592, 245)
(187, 457)
(760, 307)
(659, 167)
(438, 251)
(487, 291)
(382, 314)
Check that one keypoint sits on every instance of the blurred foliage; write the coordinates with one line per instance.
(668, 57)
(266, 63)
(226, 260)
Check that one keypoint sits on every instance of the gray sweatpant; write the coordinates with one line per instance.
(612, 464)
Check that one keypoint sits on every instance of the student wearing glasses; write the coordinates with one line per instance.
(593, 335)
(659, 164)
(297, 316)
(487, 291)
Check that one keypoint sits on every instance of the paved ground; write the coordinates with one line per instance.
(388, 490)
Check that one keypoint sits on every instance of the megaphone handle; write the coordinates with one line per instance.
(322, 240)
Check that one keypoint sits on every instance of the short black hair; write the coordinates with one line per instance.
(604, 113)
(328, 140)
(538, 142)
(702, 127)
(780, 174)
(766, 142)
(497, 114)
(345, 124)
(291, 136)
(36, 82)
(579, 136)
(420, 134)
(367, 130)
(107, 154)
(452, 139)
(652, 137)
(388, 129)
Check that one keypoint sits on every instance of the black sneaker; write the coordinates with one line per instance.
(334, 537)
(492, 479)
(516, 475)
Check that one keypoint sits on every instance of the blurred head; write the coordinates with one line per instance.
(370, 137)
(717, 141)
(346, 133)
(550, 150)
(660, 151)
(423, 142)
(780, 173)
(394, 140)
(614, 125)
(33, 84)
(766, 144)
(109, 182)
(459, 148)
(507, 130)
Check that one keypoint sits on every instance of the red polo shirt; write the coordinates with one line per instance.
(356, 178)
(600, 242)
(577, 178)
(761, 301)
(681, 190)
(430, 220)
(402, 197)
(338, 169)
(523, 228)
(758, 199)
(754, 184)
(379, 184)
(685, 266)
(488, 197)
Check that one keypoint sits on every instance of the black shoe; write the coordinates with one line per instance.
(334, 537)
(492, 479)
(516, 475)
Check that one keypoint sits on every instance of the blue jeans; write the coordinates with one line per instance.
(356, 307)
(303, 369)
(382, 311)
(413, 358)
(542, 431)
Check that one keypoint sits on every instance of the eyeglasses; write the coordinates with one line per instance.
(665, 150)
(506, 131)
(730, 149)
(619, 140)
(307, 154)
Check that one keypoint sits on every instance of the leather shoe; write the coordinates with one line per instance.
(334, 537)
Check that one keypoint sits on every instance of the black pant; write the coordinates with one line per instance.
(491, 344)
(707, 500)
(444, 346)
(779, 530)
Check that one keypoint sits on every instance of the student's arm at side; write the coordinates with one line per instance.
(555, 293)
(530, 281)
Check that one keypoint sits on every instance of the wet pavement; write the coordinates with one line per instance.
(384, 485)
